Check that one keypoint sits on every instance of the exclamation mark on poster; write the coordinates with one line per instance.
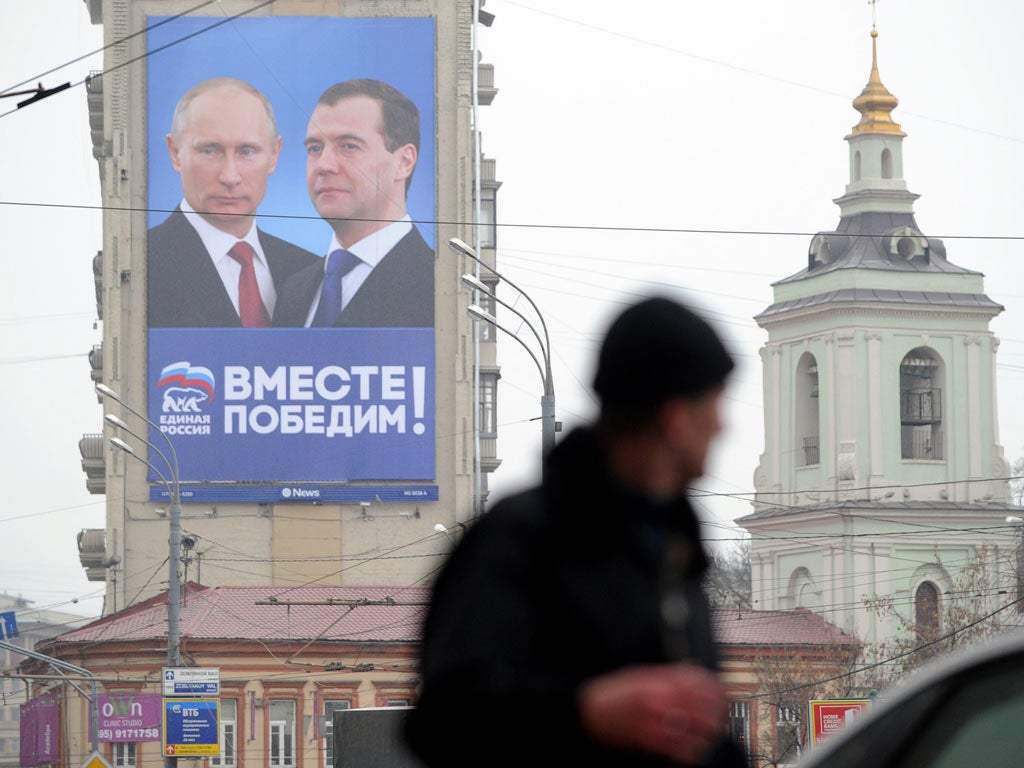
(419, 383)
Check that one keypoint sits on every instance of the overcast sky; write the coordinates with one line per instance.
(617, 128)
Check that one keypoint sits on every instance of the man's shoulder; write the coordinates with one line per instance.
(172, 226)
(273, 245)
(413, 245)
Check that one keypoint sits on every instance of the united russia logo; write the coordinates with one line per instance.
(186, 388)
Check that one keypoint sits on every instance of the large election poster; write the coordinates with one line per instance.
(290, 257)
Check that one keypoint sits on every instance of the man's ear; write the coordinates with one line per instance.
(275, 153)
(675, 420)
(407, 157)
(172, 149)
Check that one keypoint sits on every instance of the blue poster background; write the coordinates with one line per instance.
(292, 60)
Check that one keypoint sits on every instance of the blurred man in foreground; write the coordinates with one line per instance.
(569, 626)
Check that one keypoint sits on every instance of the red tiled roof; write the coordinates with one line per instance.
(796, 627)
(391, 614)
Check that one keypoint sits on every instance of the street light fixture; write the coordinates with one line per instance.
(547, 402)
(173, 486)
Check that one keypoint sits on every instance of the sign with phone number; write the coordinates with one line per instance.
(128, 734)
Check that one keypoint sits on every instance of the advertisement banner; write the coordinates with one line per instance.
(38, 730)
(831, 716)
(129, 716)
(290, 257)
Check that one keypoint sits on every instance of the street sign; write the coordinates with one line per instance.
(191, 727)
(95, 760)
(8, 625)
(191, 681)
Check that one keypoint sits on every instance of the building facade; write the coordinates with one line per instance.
(286, 659)
(300, 454)
(882, 483)
(34, 626)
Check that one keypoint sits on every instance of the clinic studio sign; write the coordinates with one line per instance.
(128, 717)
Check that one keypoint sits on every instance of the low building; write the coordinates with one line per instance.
(287, 658)
(34, 626)
(775, 662)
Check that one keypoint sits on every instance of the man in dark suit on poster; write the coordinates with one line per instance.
(362, 146)
(208, 265)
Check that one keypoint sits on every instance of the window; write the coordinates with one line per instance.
(921, 379)
(886, 164)
(807, 419)
(926, 612)
(489, 402)
(330, 707)
(228, 735)
(787, 734)
(282, 734)
(739, 724)
(488, 218)
(123, 755)
(486, 331)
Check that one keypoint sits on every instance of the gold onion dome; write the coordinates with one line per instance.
(875, 103)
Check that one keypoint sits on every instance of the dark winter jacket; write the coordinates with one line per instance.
(551, 588)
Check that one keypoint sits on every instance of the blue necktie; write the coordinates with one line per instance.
(339, 264)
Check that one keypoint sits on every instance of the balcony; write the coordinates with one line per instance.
(97, 279)
(919, 407)
(489, 460)
(485, 91)
(94, 98)
(93, 463)
(92, 552)
(96, 362)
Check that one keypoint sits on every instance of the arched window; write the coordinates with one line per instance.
(802, 592)
(806, 411)
(856, 166)
(921, 382)
(926, 612)
(886, 164)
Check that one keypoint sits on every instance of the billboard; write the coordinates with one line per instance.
(125, 717)
(291, 187)
(833, 715)
(38, 730)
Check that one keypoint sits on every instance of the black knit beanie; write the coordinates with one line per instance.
(656, 350)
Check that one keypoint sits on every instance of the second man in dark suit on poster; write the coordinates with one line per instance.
(208, 265)
(362, 146)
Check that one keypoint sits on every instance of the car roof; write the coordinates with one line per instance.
(939, 672)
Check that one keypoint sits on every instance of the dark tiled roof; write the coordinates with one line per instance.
(864, 241)
(776, 628)
(351, 614)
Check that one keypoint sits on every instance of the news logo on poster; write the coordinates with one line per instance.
(290, 255)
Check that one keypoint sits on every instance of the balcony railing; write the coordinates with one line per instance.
(922, 444)
(921, 406)
(811, 453)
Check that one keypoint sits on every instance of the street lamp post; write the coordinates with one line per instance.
(173, 486)
(549, 425)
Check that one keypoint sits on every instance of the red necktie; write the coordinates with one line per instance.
(250, 304)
